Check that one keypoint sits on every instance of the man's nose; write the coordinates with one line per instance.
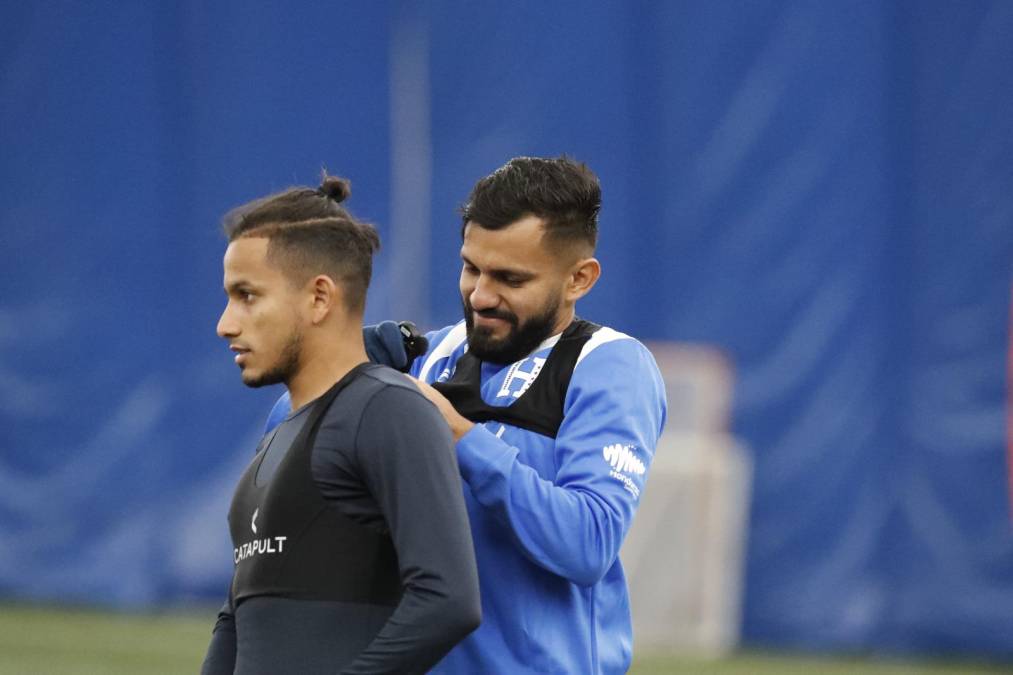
(227, 327)
(483, 296)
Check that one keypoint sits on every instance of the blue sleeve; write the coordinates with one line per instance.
(282, 407)
(574, 524)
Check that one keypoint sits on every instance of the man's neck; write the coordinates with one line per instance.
(319, 373)
(563, 322)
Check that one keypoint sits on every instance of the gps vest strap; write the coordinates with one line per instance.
(540, 408)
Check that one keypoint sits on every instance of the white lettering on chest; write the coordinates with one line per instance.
(265, 546)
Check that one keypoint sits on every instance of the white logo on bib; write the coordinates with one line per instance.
(526, 379)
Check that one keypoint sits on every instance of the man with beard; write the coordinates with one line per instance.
(555, 421)
(349, 530)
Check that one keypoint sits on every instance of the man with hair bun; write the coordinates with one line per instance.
(555, 421)
(350, 537)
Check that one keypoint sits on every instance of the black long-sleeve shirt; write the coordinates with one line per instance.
(384, 457)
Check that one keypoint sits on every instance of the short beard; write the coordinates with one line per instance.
(284, 368)
(519, 342)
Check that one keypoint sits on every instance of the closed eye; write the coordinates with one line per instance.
(512, 278)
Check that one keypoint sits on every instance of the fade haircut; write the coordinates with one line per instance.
(564, 193)
(310, 233)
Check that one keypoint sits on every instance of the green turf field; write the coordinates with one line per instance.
(47, 641)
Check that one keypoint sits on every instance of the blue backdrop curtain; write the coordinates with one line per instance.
(822, 190)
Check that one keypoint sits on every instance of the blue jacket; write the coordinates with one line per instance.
(548, 515)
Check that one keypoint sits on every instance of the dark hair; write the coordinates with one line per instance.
(565, 193)
(310, 233)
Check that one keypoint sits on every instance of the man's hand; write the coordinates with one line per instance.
(394, 344)
(459, 425)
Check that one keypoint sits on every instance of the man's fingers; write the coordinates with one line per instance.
(423, 387)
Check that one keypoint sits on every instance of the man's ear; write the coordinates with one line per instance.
(325, 297)
(583, 276)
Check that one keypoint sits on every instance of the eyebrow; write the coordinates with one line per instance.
(503, 272)
(240, 285)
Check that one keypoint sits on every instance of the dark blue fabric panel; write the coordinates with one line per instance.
(953, 564)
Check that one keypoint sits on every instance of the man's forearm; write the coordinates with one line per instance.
(221, 655)
(422, 629)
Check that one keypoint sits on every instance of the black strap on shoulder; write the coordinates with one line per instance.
(540, 408)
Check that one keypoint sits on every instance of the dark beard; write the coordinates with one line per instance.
(284, 368)
(519, 342)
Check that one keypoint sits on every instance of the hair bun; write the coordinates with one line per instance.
(338, 189)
